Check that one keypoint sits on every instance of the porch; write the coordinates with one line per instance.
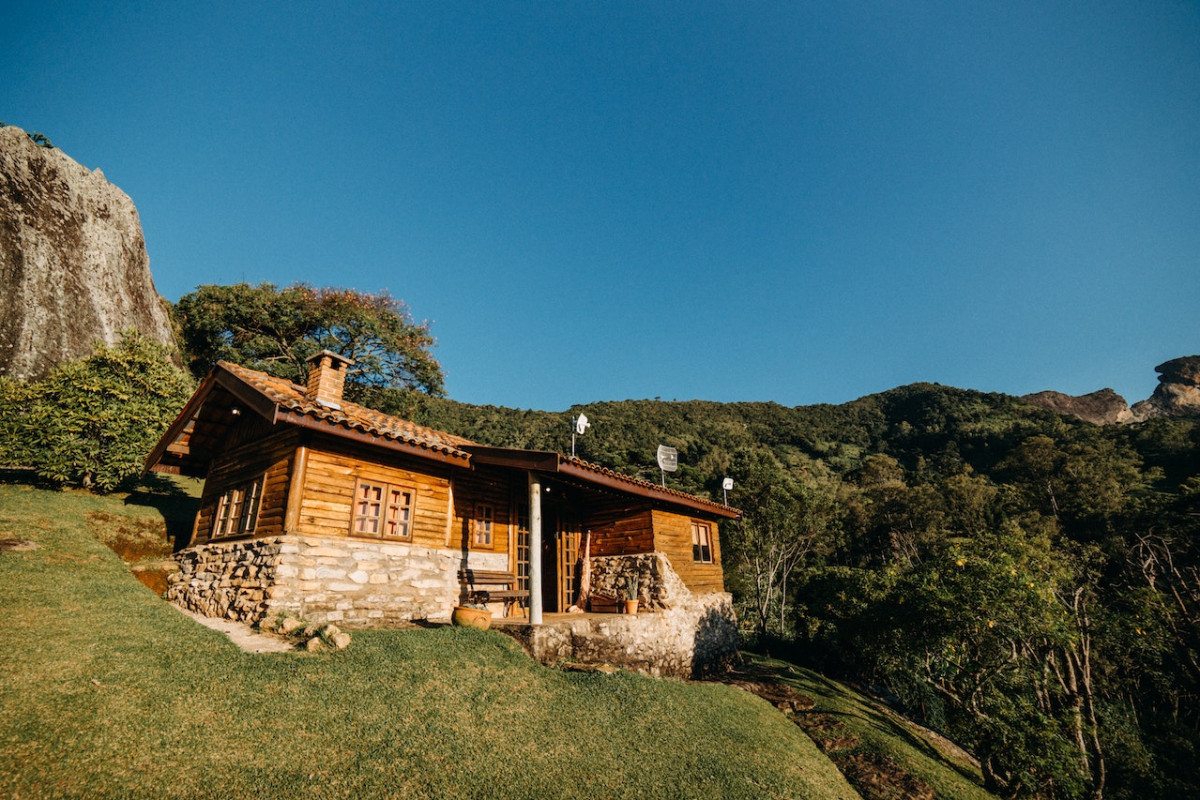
(694, 637)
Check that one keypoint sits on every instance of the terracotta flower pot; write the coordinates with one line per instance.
(479, 618)
(631, 606)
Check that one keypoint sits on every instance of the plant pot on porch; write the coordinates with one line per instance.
(468, 617)
(631, 606)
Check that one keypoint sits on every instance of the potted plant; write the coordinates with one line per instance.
(631, 594)
(472, 615)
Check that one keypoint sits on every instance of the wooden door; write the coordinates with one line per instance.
(569, 535)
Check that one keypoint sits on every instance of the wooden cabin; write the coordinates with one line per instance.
(317, 506)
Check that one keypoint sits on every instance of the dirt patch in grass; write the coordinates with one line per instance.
(873, 775)
(877, 777)
(17, 544)
(154, 576)
(828, 732)
(132, 539)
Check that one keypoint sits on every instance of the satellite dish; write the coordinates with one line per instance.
(668, 458)
(582, 424)
(727, 484)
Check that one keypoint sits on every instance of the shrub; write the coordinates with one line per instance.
(91, 422)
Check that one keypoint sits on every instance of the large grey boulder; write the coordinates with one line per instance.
(73, 263)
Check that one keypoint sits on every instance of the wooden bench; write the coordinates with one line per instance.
(474, 580)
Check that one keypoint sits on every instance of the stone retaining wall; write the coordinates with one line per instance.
(230, 580)
(354, 583)
(692, 639)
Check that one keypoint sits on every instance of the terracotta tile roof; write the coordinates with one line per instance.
(291, 397)
(648, 486)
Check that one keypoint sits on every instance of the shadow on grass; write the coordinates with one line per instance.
(176, 504)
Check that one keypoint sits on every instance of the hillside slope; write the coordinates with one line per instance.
(106, 690)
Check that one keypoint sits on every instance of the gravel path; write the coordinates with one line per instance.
(244, 636)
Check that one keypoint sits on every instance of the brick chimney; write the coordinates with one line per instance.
(327, 378)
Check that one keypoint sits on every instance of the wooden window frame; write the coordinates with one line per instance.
(483, 527)
(702, 543)
(389, 514)
(237, 509)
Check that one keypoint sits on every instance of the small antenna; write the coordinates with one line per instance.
(579, 425)
(668, 461)
(726, 485)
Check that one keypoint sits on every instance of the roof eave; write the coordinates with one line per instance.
(302, 420)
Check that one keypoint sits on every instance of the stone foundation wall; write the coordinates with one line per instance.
(354, 583)
(690, 640)
(231, 580)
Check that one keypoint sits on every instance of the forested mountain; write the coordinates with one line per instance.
(1027, 582)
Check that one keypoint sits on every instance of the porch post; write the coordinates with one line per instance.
(535, 549)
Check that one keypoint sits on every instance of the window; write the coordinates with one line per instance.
(701, 543)
(237, 510)
(484, 517)
(381, 509)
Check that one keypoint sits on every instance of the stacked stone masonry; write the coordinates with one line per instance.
(659, 586)
(362, 584)
(694, 638)
(357, 584)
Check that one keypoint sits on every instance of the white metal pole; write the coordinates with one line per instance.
(535, 550)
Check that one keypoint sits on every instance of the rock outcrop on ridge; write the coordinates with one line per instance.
(1104, 407)
(1177, 393)
(73, 262)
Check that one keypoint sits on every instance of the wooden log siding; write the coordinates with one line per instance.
(327, 502)
(673, 537)
(491, 487)
(271, 458)
(620, 531)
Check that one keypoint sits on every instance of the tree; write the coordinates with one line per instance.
(90, 423)
(276, 330)
(782, 524)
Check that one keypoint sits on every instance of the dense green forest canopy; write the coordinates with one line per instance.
(1027, 582)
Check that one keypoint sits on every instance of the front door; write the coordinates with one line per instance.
(561, 534)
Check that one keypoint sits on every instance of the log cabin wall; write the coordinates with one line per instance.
(618, 529)
(673, 537)
(270, 457)
(474, 491)
(332, 469)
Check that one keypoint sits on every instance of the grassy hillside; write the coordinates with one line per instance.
(105, 690)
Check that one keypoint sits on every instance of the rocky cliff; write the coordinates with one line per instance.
(1104, 407)
(73, 263)
(1177, 393)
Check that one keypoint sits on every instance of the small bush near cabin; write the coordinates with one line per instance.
(91, 422)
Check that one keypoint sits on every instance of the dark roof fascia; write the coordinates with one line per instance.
(262, 405)
(301, 420)
(217, 376)
(544, 461)
(538, 460)
(651, 492)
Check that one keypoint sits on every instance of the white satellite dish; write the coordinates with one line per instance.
(727, 484)
(580, 427)
(668, 461)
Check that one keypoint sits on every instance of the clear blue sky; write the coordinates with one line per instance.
(798, 202)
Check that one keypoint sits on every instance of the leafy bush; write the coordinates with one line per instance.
(91, 422)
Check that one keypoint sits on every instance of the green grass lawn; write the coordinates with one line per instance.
(106, 691)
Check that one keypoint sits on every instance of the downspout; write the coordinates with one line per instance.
(535, 549)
